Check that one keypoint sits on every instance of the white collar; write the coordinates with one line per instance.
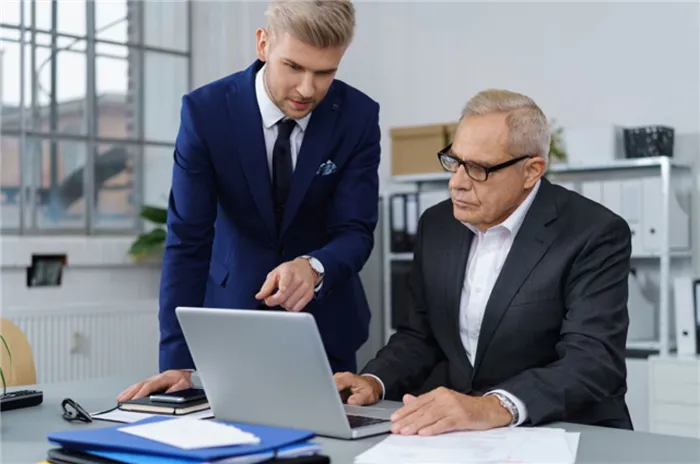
(513, 222)
(270, 113)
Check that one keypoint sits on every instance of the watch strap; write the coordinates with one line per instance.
(508, 405)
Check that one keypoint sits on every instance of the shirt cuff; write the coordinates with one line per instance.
(380, 383)
(520, 406)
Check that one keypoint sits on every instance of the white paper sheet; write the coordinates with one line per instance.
(187, 433)
(512, 445)
(127, 417)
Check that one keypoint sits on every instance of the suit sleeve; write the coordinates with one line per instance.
(412, 352)
(191, 216)
(353, 211)
(591, 351)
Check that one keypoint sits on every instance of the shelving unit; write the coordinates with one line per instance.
(671, 241)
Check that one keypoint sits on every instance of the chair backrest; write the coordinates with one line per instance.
(21, 371)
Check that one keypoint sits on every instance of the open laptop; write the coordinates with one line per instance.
(270, 368)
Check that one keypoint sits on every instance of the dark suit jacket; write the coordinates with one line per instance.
(222, 239)
(555, 327)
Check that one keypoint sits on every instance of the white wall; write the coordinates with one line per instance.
(584, 63)
(587, 64)
(99, 270)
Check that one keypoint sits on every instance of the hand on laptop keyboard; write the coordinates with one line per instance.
(358, 390)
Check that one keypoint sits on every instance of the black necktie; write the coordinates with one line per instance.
(282, 167)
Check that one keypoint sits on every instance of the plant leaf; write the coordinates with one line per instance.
(148, 242)
(9, 353)
(154, 214)
(4, 384)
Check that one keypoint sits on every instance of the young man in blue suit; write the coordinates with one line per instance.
(275, 191)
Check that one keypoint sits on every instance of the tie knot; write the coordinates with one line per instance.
(285, 127)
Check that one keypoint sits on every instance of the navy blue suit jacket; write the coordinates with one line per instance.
(222, 240)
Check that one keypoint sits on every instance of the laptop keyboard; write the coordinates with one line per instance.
(362, 421)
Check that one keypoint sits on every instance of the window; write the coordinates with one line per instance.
(89, 111)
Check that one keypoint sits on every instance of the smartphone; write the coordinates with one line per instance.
(182, 396)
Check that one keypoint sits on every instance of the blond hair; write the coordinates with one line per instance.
(528, 129)
(321, 23)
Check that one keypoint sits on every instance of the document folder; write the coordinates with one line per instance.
(111, 439)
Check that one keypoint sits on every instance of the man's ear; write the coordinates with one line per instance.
(262, 44)
(534, 170)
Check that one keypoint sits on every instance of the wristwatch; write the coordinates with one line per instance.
(508, 405)
(317, 267)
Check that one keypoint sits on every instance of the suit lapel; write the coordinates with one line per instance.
(313, 150)
(531, 243)
(455, 267)
(250, 143)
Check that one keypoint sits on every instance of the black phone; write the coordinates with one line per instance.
(181, 396)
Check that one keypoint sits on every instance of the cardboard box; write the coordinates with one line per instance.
(414, 149)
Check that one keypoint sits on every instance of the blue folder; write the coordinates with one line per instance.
(111, 439)
(290, 451)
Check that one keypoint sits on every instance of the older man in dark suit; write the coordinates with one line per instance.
(518, 289)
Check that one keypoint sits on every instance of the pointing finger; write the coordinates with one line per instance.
(269, 286)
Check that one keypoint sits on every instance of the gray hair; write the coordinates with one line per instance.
(529, 130)
(321, 23)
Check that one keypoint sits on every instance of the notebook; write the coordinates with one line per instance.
(154, 407)
(112, 439)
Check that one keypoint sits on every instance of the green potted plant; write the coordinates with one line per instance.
(2, 374)
(557, 152)
(150, 244)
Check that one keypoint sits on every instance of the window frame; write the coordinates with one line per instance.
(28, 225)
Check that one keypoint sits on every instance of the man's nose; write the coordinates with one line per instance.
(306, 87)
(460, 180)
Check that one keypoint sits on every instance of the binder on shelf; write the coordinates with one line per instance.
(404, 222)
(411, 220)
(686, 295)
(398, 224)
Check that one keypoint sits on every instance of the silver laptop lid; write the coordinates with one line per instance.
(264, 367)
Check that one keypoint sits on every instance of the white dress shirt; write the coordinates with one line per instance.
(271, 114)
(488, 252)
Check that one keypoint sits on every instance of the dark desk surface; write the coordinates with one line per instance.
(23, 432)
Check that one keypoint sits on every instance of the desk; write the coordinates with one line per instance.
(24, 431)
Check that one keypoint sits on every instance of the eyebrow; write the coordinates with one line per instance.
(477, 163)
(320, 71)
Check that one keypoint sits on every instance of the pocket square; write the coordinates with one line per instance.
(326, 168)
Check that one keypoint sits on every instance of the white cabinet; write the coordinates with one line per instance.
(654, 196)
(674, 395)
(640, 202)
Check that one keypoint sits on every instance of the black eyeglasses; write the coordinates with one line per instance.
(476, 171)
(72, 411)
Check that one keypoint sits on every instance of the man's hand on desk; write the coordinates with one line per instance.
(168, 381)
(363, 390)
(295, 282)
(443, 410)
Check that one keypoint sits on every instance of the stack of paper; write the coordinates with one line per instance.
(188, 433)
(512, 445)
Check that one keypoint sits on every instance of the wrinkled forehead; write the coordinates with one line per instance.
(482, 139)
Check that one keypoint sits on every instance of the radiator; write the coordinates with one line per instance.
(88, 341)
